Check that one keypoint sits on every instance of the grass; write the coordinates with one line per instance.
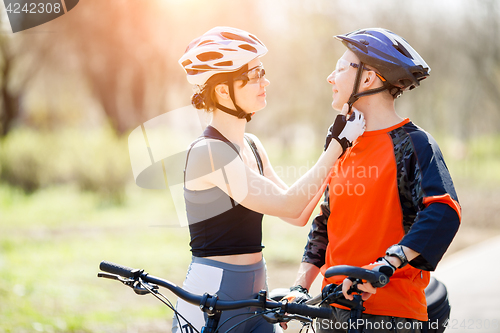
(51, 244)
(52, 241)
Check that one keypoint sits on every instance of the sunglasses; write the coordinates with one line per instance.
(343, 65)
(253, 75)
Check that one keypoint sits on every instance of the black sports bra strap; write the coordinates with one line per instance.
(255, 151)
(212, 133)
(209, 133)
(187, 156)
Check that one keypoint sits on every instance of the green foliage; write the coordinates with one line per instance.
(485, 147)
(21, 160)
(51, 243)
(476, 161)
(95, 161)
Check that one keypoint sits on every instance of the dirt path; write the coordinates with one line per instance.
(471, 277)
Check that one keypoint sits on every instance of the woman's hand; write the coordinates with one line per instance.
(346, 130)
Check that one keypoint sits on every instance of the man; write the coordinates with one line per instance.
(390, 204)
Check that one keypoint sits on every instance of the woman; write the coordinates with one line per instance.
(229, 181)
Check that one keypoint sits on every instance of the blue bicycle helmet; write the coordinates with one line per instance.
(400, 67)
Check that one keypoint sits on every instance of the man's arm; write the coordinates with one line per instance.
(435, 200)
(409, 253)
(315, 250)
(306, 275)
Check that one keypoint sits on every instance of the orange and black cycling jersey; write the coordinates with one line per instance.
(391, 187)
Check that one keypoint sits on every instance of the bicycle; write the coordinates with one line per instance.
(436, 294)
(273, 308)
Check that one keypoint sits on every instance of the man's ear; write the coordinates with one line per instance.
(222, 91)
(369, 79)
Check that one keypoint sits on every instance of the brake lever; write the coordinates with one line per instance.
(332, 293)
(299, 318)
(277, 317)
(140, 290)
(354, 288)
(107, 276)
(135, 285)
(128, 282)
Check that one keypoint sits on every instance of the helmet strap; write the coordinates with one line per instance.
(235, 113)
(357, 95)
(354, 95)
(239, 112)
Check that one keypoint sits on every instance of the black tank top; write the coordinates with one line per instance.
(217, 224)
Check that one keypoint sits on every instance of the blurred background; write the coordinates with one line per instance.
(73, 89)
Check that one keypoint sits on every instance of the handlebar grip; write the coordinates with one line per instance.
(309, 311)
(377, 279)
(113, 268)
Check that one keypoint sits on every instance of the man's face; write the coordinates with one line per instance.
(342, 79)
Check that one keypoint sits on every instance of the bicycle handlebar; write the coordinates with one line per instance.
(309, 311)
(377, 279)
(113, 268)
(292, 308)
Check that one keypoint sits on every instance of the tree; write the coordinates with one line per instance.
(10, 99)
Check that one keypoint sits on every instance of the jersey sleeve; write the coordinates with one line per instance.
(438, 212)
(317, 240)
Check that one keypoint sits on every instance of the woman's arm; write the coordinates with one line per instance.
(271, 175)
(220, 166)
(307, 212)
(227, 171)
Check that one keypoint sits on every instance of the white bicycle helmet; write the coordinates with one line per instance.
(219, 50)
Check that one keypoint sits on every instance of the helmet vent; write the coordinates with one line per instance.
(402, 50)
(207, 56)
(206, 42)
(248, 48)
(224, 63)
(202, 67)
(232, 36)
(224, 49)
(256, 39)
(405, 83)
(186, 62)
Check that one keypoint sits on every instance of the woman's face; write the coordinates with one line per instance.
(342, 79)
(252, 96)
